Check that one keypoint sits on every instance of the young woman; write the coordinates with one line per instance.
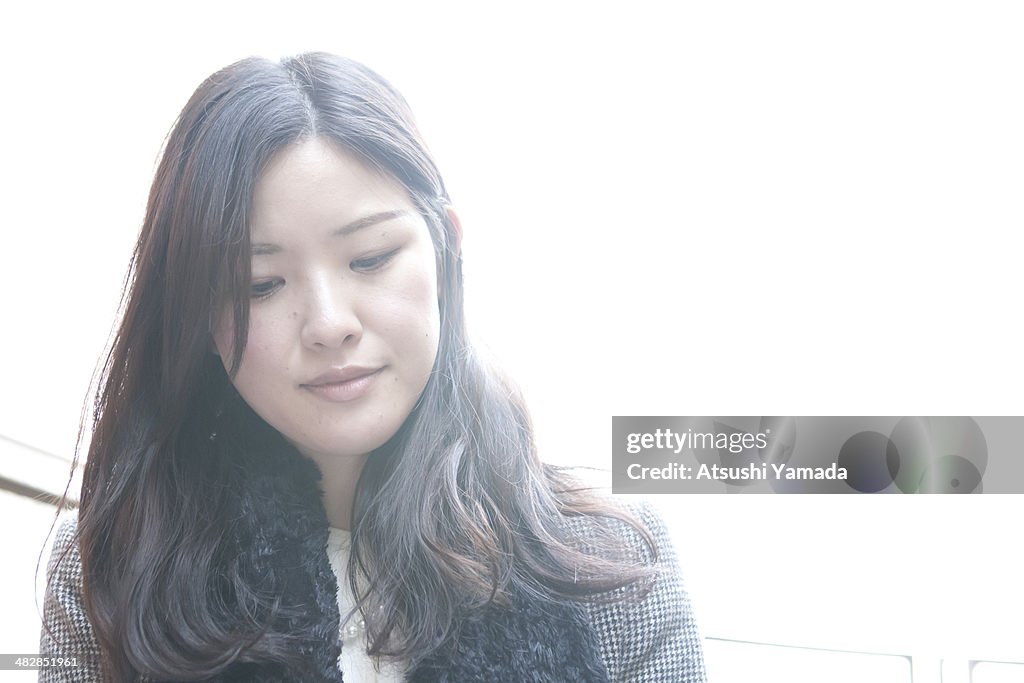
(299, 470)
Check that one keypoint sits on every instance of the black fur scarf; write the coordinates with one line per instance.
(282, 533)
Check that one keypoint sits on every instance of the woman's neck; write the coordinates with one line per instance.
(340, 475)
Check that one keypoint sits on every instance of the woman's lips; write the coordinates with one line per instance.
(343, 385)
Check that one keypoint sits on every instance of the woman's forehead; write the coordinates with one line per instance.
(319, 185)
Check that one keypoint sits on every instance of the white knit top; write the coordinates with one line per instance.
(355, 664)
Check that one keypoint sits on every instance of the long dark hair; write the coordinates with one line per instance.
(455, 513)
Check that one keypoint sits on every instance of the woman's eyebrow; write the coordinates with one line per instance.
(266, 248)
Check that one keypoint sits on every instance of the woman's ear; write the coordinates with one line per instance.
(457, 226)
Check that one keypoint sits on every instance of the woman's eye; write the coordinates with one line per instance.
(264, 288)
(372, 263)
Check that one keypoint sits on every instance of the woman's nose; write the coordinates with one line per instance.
(330, 319)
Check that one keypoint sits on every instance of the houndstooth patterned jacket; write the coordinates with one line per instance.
(653, 640)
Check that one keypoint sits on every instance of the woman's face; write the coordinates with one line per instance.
(344, 320)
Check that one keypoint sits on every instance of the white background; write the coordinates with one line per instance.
(722, 208)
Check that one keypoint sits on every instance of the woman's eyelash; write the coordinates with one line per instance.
(372, 263)
(261, 290)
